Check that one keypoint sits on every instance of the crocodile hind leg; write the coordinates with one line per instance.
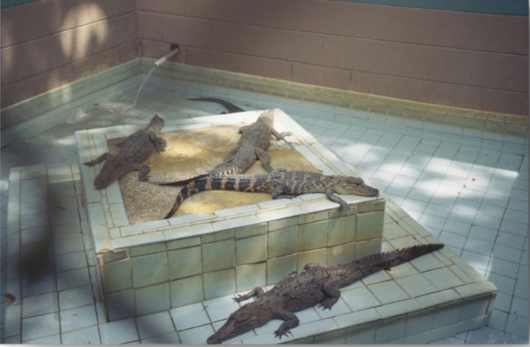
(331, 289)
(291, 321)
(264, 158)
(99, 159)
(258, 291)
(144, 170)
(230, 156)
(343, 204)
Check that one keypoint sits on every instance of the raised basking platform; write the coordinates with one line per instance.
(433, 297)
(220, 242)
(192, 264)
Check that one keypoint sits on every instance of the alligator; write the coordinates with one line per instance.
(132, 152)
(255, 139)
(227, 104)
(279, 183)
(316, 284)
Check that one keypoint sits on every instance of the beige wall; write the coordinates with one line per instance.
(50, 43)
(461, 59)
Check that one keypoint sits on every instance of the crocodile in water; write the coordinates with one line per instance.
(316, 284)
(279, 183)
(227, 104)
(133, 151)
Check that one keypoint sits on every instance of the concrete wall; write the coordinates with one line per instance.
(460, 59)
(50, 43)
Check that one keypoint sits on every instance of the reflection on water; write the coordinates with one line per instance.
(190, 153)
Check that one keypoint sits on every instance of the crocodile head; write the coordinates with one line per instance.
(246, 318)
(352, 185)
(267, 117)
(156, 124)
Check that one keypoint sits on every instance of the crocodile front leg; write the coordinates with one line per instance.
(291, 321)
(280, 136)
(343, 204)
(99, 159)
(243, 128)
(258, 292)
(160, 144)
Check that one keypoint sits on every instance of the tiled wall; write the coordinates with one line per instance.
(159, 276)
(48, 44)
(460, 59)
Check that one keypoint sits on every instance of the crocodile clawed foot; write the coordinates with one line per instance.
(238, 298)
(279, 333)
(145, 178)
(324, 307)
(284, 134)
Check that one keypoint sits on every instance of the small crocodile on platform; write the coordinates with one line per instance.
(316, 284)
(279, 183)
(133, 151)
(255, 139)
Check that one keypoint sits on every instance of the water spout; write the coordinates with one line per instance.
(175, 49)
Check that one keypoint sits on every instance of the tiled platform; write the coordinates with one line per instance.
(439, 290)
(468, 187)
(162, 264)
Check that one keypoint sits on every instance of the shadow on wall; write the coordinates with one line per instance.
(47, 44)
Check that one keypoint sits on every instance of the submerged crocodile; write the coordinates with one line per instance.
(227, 104)
(316, 284)
(279, 183)
(133, 151)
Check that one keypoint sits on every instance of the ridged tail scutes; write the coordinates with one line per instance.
(396, 257)
(180, 183)
(403, 255)
(184, 193)
(410, 253)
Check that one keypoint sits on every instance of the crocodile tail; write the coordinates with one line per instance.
(188, 190)
(382, 261)
(180, 183)
(402, 255)
(227, 104)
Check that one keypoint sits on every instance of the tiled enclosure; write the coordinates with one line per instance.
(435, 172)
(162, 264)
(431, 297)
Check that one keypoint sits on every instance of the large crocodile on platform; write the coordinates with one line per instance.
(226, 104)
(316, 284)
(133, 151)
(279, 183)
(255, 139)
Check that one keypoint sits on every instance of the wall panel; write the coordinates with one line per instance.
(460, 59)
